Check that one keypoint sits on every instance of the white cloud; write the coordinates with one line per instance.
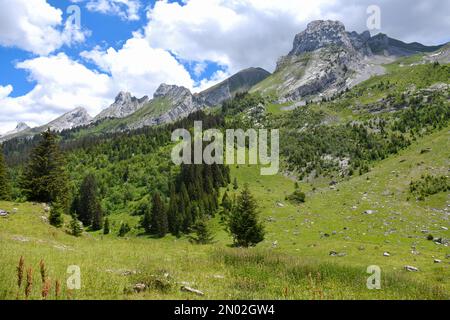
(35, 26)
(139, 68)
(233, 33)
(61, 85)
(125, 9)
(242, 33)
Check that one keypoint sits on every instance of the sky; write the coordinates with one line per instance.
(57, 55)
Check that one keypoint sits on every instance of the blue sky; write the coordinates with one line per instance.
(48, 66)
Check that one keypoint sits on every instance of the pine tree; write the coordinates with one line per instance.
(160, 224)
(56, 214)
(124, 229)
(88, 206)
(106, 227)
(201, 233)
(243, 223)
(76, 228)
(45, 178)
(5, 191)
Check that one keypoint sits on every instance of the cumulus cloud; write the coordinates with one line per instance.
(125, 9)
(35, 26)
(139, 68)
(242, 33)
(61, 85)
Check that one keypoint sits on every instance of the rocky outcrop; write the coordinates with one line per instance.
(123, 106)
(21, 126)
(179, 102)
(72, 119)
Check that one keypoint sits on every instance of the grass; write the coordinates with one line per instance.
(293, 262)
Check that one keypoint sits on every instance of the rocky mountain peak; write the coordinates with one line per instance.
(21, 126)
(171, 91)
(124, 105)
(324, 33)
(75, 118)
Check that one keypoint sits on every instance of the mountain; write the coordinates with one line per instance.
(382, 44)
(72, 119)
(124, 105)
(241, 81)
(21, 126)
(327, 59)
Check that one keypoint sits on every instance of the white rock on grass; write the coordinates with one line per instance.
(411, 269)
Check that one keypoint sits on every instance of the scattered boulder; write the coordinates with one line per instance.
(44, 219)
(14, 210)
(369, 212)
(275, 244)
(279, 204)
(437, 261)
(411, 269)
(386, 254)
(139, 287)
(3, 213)
(191, 290)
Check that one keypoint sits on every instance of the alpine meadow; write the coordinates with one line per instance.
(336, 181)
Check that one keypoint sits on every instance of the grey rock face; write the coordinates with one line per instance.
(123, 106)
(72, 119)
(21, 126)
(320, 34)
(181, 102)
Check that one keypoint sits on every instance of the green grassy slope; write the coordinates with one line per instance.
(293, 262)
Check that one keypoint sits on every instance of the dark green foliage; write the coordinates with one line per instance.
(241, 102)
(429, 185)
(86, 204)
(45, 178)
(297, 196)
(5, 187)
(106, 229)
(243, 223)
(159, 223)
(75, 226)
(235, 184)
(124, 229)
(56, 218)
(201, 232)
(146, 220)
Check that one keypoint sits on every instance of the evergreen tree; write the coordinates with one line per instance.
(106, 227)
(97, 219)
(76, 228)
(88, 207)
(235, 184)
(146, 221)
(201, 233)
(5, 191)
(45, 178)
(124, 229)
(160, 224)
(174, 216)
(243, 223)
(56, 214)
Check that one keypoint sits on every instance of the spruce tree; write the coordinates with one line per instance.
(146, 221)
(5, 191)
(243, 223)
(76, 228)
(88, 206)
(235, 184)
(201, 233)
(45, 178)
(56, 218)
(106, 227)
(160, 224)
